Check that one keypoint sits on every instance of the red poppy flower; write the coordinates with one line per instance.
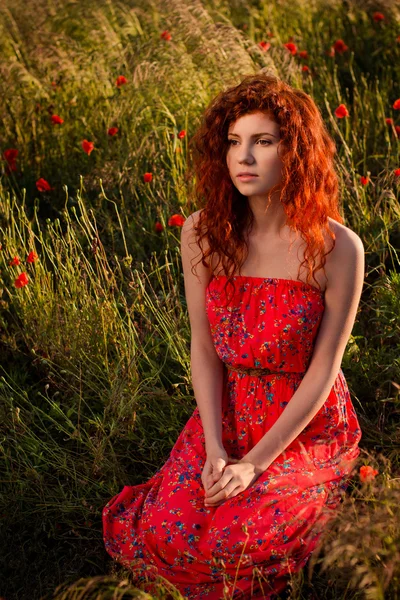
(305, 68)
(158, 226)
(398, 39)
(397, 172)
(176, 220)
(181, 134)
(166, 35)
(341, 111)
(113, 130)
(364, 180)
(10, 155)
(43, 185)
(121, 80)
(396, 104)
(303, 54)
(147, 177)
(397, 129)
(291, 47)
(57, 120)
(378, 16)
(15, 261)
(331, 51)
(264, 46)
(87, 147)
(32, 256)
(367, 473)
(389, 121)
(21, 280)
(340, 47)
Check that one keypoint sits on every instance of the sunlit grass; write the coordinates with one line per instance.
(95, 379)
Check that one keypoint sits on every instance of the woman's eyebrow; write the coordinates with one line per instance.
(255, 134)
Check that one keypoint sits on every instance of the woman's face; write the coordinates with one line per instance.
(253, 147)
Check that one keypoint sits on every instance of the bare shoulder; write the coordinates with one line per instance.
(343, 232)
(190, 250)
(191, 221)
(345, 263)
(346, 238)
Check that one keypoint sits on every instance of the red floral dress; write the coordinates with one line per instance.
(247, 546)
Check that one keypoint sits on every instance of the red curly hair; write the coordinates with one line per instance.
(309, 186)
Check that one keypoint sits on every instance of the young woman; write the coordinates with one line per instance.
(264, 460)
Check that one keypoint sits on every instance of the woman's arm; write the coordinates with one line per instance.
(345, 281)
(207, 380)
(206, 366)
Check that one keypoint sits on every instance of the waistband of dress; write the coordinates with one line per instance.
(263, 371)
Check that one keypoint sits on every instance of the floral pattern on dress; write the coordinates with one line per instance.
(248, 546)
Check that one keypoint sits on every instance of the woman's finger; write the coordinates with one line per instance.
(218, 491)
(218, 485)
(224, 494)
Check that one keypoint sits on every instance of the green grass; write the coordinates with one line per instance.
(95, 379)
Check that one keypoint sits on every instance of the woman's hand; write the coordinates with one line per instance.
(214, 467)
(235, 479)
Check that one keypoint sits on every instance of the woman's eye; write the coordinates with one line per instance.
(268, 141)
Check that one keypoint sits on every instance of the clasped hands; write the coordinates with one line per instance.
(225, 477)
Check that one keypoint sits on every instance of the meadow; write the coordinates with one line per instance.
(99, 102)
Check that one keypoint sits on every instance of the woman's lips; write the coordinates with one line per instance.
(246, 177)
